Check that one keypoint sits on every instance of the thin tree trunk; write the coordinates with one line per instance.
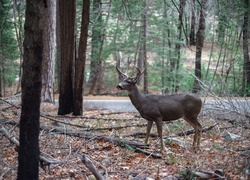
(192, 40)
(200, 40)
(144, 46)
(95, 39)
(18, 29)
(49, 53)
(96, 82)
(246, 65)
(80, 61)
(67, 12)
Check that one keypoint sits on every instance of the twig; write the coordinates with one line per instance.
(44, 161)
(90, 135)
(86, 161)
(139, 150)
(9, 103)
(192, 131)
(62, 122)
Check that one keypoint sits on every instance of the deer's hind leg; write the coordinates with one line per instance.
(158, 123)
(193, 121)
(149, 126)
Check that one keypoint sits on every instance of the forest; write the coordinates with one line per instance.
(55, 55)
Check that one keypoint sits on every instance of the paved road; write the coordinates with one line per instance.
(127, 106)
(115, 105)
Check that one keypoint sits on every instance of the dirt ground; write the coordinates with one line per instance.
(120, 161)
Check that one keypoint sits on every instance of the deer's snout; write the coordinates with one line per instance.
(119, 87)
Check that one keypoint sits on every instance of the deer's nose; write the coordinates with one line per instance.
(119, 87)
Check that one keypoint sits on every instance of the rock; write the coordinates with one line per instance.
(230, 136)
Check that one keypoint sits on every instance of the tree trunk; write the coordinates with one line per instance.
(144, 47)
(80, 61)
(18, 24)
(67, 12)
(98, 79)
(28, 154)
(49, 53)
(246, 65)
(192, 40)
(96, 39)
(178, 44)
(200, 40)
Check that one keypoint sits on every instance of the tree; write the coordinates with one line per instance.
(18, 14)
(80, 60)
(49, 53)
(200, 36)
(192, 40)
(8, 48)
(98, 76)
(246, 64)
(67, 13)
(28, 154)
(96, 38)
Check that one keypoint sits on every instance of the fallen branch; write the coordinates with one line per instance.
(115, 127)
(86, 161)
(138, 150)
(44, 161)
(91, 135)
(193, 131)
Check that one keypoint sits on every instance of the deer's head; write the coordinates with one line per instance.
(127, 83)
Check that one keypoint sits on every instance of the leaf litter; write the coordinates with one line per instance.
(231, 158)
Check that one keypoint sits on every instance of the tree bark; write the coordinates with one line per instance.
(246, 65)
(98, 79)
(80, 61)
(67, 12)
(49, 53)
(200, 36)
(95, 40)
(192, 40)
(28, 155)
(144, 47)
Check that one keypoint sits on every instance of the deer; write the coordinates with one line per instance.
(159, 108)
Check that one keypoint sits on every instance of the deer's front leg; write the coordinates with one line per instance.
(158, 123)
(149, 126)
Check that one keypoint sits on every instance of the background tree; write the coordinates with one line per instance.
(80, 60)
(246, 65)
(49, 53)
(96, 36)
(28, 154)
(200, 36)
(192, 40)
(67, 55)
(18, 16)
(8, 47)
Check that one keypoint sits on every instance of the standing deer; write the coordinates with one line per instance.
(158, 108)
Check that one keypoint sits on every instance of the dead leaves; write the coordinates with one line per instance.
(125, 163)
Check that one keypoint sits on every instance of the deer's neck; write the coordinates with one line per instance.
(136, 97)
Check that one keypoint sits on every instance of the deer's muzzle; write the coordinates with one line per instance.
(119, 87)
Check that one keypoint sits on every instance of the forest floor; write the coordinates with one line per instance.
(106, 138)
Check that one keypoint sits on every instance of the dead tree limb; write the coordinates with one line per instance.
(192, 131)
(87, 162)
(44, 161)
(139, 150)
(91, 135)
